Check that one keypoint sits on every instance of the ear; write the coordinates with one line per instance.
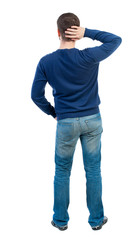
(58, 32)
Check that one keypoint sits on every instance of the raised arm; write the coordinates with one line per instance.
(110, 43)
(95, 54)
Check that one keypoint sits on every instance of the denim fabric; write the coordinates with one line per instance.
(88, 129)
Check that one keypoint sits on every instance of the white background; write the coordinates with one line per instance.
(28, 32)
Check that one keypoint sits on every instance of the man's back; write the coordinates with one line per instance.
(74, 83)
(73, 76)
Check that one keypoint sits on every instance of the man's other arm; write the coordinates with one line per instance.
(38, 91)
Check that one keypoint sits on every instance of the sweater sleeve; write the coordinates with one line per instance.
(110, 42)
(38, 91)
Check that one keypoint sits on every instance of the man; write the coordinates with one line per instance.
(72, 73)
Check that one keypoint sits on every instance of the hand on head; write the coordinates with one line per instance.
(75, 32)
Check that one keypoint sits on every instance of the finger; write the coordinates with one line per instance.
(70, 36)
(75, 27)
(70, 30)
(71, 33)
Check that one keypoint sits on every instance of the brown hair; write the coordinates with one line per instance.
(66, 20)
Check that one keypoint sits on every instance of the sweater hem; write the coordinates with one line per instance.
(78, 114)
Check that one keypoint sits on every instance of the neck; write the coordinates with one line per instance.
(65, 44)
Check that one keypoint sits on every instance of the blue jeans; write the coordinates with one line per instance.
(89, 130)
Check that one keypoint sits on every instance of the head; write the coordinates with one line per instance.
(66, 20)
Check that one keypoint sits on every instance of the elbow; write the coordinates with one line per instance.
(33, 94)
(36, 98)
(33, 97)
(118, 40)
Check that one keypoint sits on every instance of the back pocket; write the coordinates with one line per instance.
(65, 130)
(94, 124)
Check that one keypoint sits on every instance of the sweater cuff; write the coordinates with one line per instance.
(90, 33)
(85, 32)
(53, 113)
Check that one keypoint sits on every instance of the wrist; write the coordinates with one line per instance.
(85, 33)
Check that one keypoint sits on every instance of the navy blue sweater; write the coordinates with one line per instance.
(73, 76)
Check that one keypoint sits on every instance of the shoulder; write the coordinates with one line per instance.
(87, 56)
(47, 58)
(48, 55)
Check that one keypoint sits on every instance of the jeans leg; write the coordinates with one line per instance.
(91, 148)
(66, 140)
